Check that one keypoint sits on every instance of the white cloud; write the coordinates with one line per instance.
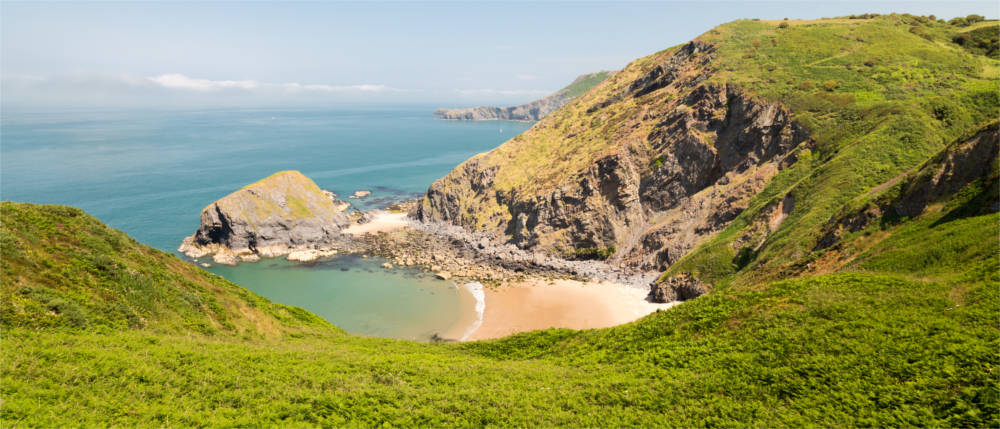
(294, 86)
(172, 88)
(179, 81)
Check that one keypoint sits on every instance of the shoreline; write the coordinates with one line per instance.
(534, 304)
(526, 290)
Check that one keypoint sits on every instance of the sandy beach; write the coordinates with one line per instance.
(382, 221)
(539, 304)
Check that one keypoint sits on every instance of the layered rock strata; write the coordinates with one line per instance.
(666, 158)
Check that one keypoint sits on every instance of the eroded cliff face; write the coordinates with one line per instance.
(679, 158)
(279, 215)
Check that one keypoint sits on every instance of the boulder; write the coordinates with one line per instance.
(681, 287)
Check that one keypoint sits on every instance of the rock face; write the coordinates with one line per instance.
(681, 287)
(283, 214)
(677, 159)
(529, 112)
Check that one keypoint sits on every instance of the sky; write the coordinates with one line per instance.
(223, 54)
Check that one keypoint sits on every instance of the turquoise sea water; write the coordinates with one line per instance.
(149, 173)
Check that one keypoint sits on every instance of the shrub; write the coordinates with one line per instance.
(830, 85)
(590, 253)
(783, 25)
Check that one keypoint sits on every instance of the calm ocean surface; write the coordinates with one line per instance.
(150, 173)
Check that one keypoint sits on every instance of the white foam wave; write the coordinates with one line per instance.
(476, 289)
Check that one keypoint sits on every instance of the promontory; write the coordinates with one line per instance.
(283, 214)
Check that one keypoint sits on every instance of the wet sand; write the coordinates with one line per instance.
(542, 304)
(382, 221)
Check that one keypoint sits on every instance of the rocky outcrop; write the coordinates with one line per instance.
(681, 287)
(284, 214)
(529, 112)
(682, 163)
(958, 165)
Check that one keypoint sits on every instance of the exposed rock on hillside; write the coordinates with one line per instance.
(529, 112)
(666, 160)
(681, 287)
(285, 213)
(957, 166)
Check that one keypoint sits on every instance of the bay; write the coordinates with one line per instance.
(150, 172)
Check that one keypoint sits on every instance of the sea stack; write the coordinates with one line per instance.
(285, 213)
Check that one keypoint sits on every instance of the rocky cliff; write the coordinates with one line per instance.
(727, 154)
(282, 214)
(529, 112)
(668, 160)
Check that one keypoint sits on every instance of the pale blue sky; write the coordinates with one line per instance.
(328, 53)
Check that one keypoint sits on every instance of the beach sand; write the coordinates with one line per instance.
(540, 304)
(382, 221)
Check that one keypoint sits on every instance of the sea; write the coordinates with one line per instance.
(150, 173)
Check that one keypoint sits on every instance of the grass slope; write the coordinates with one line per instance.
(64, 269)
(584, 83)
(895, 339)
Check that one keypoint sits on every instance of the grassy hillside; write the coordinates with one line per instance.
(584, 83)
(905, 334)
(878, 96)
(63, 269)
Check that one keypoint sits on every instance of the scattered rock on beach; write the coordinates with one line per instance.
(360, 194)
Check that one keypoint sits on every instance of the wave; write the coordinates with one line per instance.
(476, 289)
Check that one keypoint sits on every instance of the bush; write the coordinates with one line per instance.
(959, 22)
(590, 253)
(830, 85)
(783, 25)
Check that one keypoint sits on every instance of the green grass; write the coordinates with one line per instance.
(585, 83)
(894, 341)
(64, 269)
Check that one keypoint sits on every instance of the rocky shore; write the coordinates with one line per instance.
(288, 215)
(452, 252)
